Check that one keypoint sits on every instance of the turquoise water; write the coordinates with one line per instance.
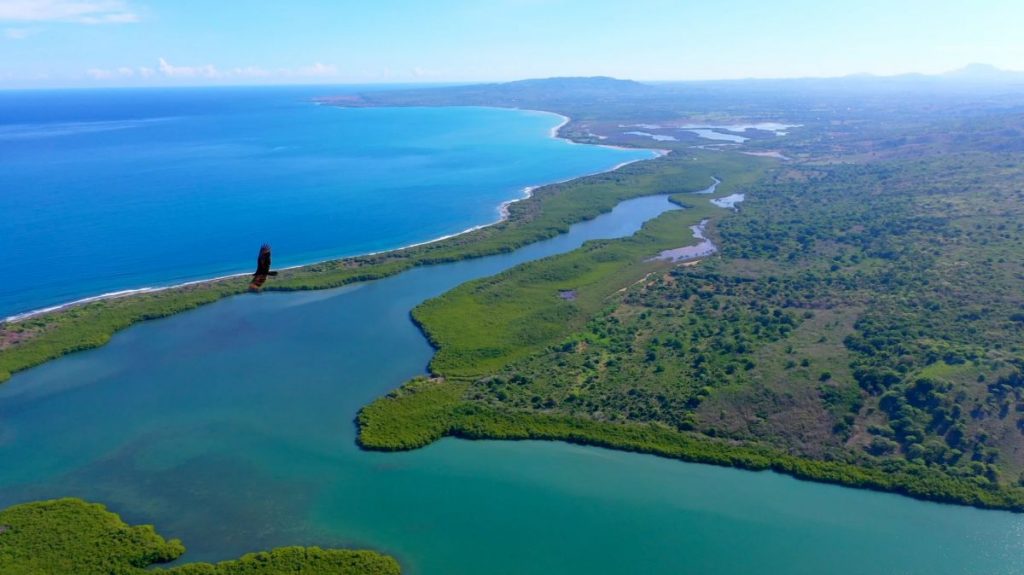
(106, 190)
(231, 426)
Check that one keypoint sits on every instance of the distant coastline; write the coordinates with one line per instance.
(502, 209)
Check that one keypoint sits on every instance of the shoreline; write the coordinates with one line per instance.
(503, 210)
(690, 253)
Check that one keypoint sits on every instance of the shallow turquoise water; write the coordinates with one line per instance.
(231, 427)
(105, 190)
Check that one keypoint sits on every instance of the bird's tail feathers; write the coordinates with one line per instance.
(271, 273)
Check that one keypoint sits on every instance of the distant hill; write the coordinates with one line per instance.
(601, 98)
(560, 94)
(984, 73)
(591, 84)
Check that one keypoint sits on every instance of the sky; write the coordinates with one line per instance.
(96, 43)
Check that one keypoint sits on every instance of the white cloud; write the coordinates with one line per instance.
(79, 11)
(211, 72)
(18, 33)
(315, 70)
(172, 71)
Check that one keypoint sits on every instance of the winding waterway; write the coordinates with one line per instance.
(231, 427)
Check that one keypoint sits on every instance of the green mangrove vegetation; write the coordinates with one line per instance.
(484, 324)
(424, 411)
(548, 212)
(862, 325)
(72, 537)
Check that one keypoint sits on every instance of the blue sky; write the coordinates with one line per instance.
(206, 42)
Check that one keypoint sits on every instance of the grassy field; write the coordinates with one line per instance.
(72, 537)
(863, 325)
(549, 212)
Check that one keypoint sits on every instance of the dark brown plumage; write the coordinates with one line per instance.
(262, 269)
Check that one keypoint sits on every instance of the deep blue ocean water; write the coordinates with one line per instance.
(105, 190)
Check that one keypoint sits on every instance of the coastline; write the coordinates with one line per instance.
(690, 253)
(39, 336)
(503, 210)
(555, 133)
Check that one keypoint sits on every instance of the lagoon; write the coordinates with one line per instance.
(231, 426)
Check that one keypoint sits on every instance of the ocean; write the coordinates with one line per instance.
(109, 190)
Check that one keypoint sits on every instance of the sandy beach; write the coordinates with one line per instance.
(502, 209)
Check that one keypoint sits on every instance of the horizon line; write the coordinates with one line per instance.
(949, 74)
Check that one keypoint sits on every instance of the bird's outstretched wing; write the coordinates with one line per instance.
(262, 268)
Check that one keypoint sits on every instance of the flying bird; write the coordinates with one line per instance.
(262, 269)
